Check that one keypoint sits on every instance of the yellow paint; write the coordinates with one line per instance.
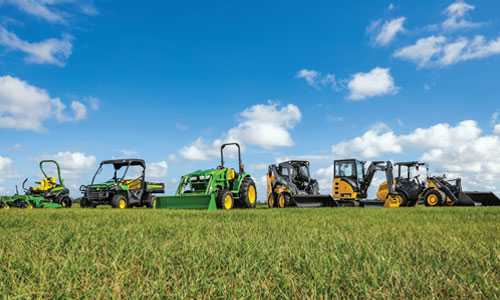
(270, 200)
(393, 201)
(122, 203)
(383, 192)
(45, 184)
(432, 200)
(231, 174)
(282, 201)
(341, 189)
(228, 202)
(252, 195)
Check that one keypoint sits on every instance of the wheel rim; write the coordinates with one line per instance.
(270, 201)
(281, 201)
(432, 200)
(30, 206)
(252, 195)
(228, 202)
(122, 203)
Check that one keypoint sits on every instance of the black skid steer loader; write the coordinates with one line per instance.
(289, 184)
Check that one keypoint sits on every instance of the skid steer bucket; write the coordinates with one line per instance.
(312, 201)
(479, 198)
(186, 202)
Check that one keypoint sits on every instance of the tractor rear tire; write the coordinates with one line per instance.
(225, 200)
(66, 202)
(403, 199)
(248, 193)
(283, 200)
(119, 201)
(434, 198)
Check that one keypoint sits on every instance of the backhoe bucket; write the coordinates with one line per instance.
(309, 201)
(478, 198)
(186, 202)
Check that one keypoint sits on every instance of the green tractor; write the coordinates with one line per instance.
(220, 188)
(49, 192)
(120, 191)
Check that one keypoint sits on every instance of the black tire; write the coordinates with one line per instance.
(84, 203)
(225, 200)
(66, 202)
(404, 199)
(433, 198)
(150, 201)
(271, 201)
(248, 193)
(283, 200)
(119, 201)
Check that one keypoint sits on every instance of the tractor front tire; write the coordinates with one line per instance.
(403, 200)
(119, 201)
(225, 200)
(248, 193)
(283, 200)
(271, 202)
(434, 198)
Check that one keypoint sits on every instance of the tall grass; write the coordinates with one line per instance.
(290, 253)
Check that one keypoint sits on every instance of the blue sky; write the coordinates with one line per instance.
(82, 81)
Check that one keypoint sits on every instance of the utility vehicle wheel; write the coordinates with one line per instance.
(283, 200)
(119, 201)
(150, 202)
(271, 203)
(225, 200)
(248, 193)
(66, 202)
(433, 198)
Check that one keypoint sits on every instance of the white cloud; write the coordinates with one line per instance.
(50, 51)
(377, 82)
(47, 10)
(439, 51)
(157, 170)
(324, 177)
(73, 164)
(374, 142)
(456, 16)
(264, 125)
(385, 33)
(496, 130)
(27, 107)
(5, 164)
(316, 80)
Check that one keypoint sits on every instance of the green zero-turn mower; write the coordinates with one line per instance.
(120, 191)
(222, 188)
(49, 192)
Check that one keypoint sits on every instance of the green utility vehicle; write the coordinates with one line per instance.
(49, 192)
(120, 191)
(222, 188)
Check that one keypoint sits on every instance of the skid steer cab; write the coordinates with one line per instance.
(126, 188)
(220, 188)
(289, 184)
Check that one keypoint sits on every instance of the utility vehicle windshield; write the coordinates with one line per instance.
(108, 172)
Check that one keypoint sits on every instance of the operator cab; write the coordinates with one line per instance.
(351, 170)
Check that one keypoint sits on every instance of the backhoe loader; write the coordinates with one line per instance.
(352, 181)
(407, 183)
(289, 184)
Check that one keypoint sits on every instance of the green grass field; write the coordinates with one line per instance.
(290, 253)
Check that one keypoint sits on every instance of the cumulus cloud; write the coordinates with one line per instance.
(385, 33)
(463, 150)
(50, 51)
(157, 170)
(435, 51)
(27, 107)
(317, 80)
(377, 82)
(376, 141)
(457, 16)
(264, 125)
(73, 163)
(496, 130)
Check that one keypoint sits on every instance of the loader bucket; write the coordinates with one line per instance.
(186, 202)
(479, 198)
(309, 201)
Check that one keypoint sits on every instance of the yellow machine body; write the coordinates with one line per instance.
(343, 190)
(45, 184)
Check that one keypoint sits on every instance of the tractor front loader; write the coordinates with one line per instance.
(352, 181)
(289, 184)
(49, 192)
(219, 188)
(442, 191)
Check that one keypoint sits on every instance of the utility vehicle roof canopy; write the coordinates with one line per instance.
(118, 163)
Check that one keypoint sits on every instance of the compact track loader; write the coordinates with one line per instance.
(442, 191)
(290, 184)
(219, 188)
(352, 181)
